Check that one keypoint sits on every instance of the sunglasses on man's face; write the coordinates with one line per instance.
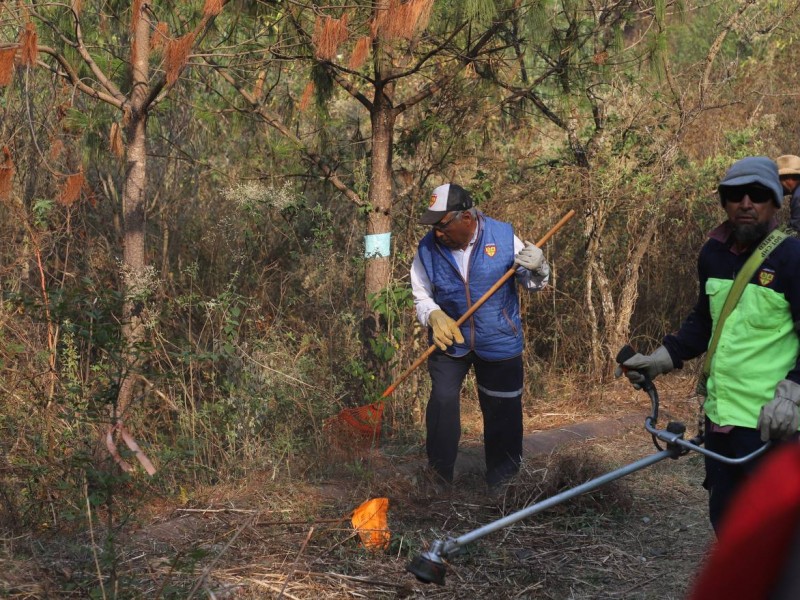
(758, 195)
(442, 225)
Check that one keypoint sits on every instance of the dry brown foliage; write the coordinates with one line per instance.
(360, 52)
(291, 538)
(176, 55)
(126, 116)
(259, 87)
(56, 149)
(27, 42)
(305, 99)
(77, 6)
(329, 33)
(402, 19)
(212, 8)
(160, 36)
(71, 189)
(115, 140)
(6, 174)
(7, 65)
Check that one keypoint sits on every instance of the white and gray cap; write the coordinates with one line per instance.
(446, 198)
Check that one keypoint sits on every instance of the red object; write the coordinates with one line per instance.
(757, 532)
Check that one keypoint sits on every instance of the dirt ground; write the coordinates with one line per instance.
(641, 537)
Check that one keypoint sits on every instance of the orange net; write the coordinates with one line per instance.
(358, 426)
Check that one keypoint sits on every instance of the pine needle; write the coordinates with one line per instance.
(6, 174)
(305, 99)
(360, 52)
(56, 149)
(177, 54)
(329, 33)
(29, 48)
(7, 65)
(212, 8)
(160, 36)
(403, 20)
(71, 190)
(115, 140)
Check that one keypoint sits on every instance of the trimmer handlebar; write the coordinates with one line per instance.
(673, 436)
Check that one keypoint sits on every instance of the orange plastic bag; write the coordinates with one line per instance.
(369, 520)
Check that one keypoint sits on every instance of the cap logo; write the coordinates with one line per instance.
(433, 200)
(765, 277)
(490, 250)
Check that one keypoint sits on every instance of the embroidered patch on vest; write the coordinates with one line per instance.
(765, 277)
(490, 250)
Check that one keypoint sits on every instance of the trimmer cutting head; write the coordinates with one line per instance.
(428, 567)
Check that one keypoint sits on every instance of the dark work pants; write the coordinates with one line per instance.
(723, 480)
(500, 397)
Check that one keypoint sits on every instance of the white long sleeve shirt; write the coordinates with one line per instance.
(422, 288)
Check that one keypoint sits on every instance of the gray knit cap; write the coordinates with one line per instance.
(755, 169)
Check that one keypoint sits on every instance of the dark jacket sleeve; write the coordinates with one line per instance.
(694, 335)
(792, 294)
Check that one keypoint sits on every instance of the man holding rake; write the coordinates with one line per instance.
(457, 262)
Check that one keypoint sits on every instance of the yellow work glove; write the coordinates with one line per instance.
(445, 330)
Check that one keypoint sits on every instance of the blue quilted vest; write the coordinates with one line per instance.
(494, 331)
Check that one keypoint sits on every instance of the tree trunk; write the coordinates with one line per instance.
(383, 117)
(133, 209)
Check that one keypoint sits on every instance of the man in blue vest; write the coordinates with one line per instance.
(753, 385)
(457, 261)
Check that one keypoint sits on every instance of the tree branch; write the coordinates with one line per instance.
(71, 75)
(275, 122)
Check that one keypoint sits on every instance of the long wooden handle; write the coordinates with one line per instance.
(508, 274)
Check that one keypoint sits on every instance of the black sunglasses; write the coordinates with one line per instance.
(757, 194)
(442, 226)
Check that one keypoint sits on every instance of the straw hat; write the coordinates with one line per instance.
(788, 164)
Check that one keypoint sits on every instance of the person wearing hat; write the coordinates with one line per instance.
(462, 256)
(789, 171)
(752, 389)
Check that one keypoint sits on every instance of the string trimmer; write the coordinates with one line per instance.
(431, 566)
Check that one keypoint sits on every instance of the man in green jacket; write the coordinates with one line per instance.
(753, 384)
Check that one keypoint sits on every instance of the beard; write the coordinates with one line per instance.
(749, 234)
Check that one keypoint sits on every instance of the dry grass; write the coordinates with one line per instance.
(640, 537)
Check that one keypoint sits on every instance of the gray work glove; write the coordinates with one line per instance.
(531, 257)
(639, 366)
(780, 417)
(445, 330)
